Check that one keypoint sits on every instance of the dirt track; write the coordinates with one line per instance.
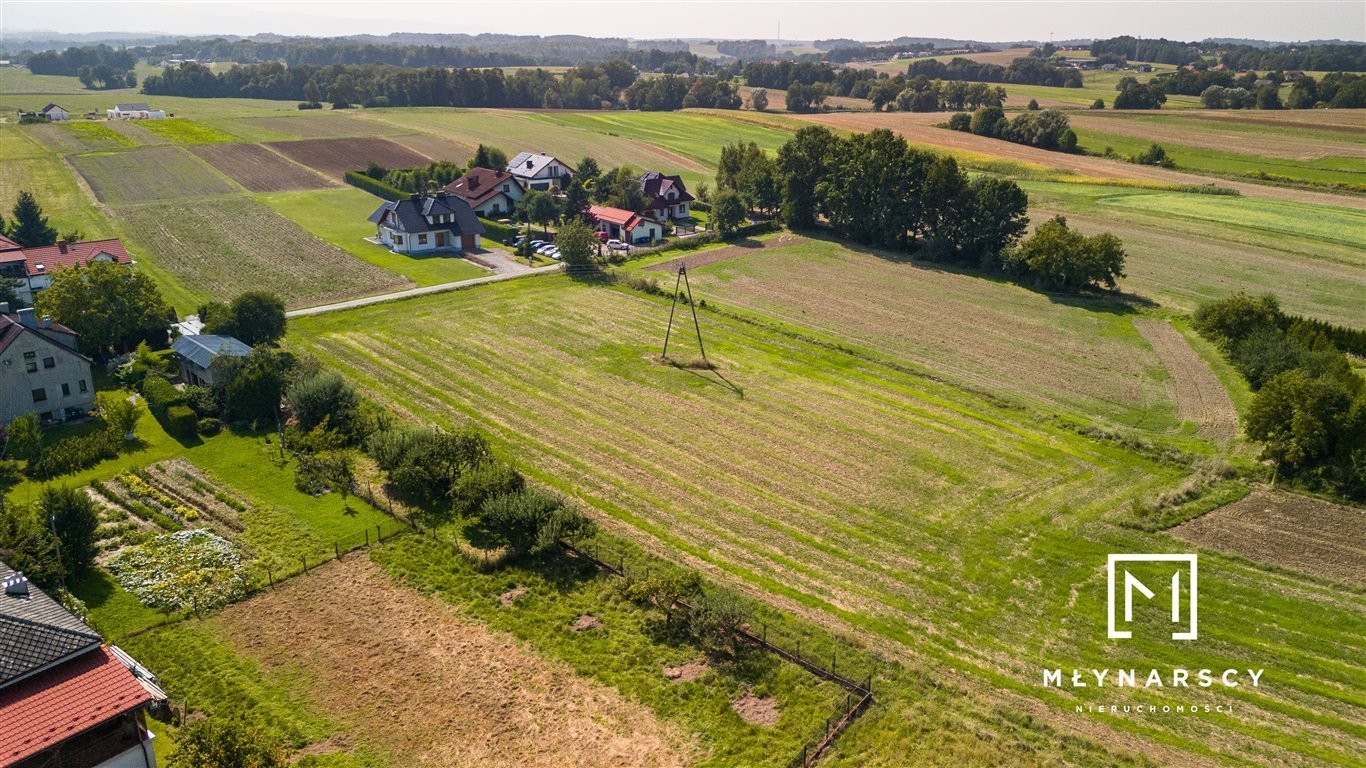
(704, 258)
(919, 129)
(404, 674)
(1199, 395)
(1286, 529)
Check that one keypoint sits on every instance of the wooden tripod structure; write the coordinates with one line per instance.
(683, 279)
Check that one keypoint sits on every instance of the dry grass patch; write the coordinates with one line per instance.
(405, 674)
(1199, 395)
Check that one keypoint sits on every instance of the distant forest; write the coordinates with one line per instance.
(1330, 57)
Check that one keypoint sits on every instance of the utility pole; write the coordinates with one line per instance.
(697, 326)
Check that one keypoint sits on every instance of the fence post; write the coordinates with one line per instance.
(765, 634)
(379, 532)
(832, 662)
(270, 576)
(304, 558)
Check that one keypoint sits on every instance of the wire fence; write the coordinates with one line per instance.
(858, 689)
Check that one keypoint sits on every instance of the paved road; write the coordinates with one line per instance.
(509, 271)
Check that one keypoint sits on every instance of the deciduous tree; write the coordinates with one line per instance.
(111, 306)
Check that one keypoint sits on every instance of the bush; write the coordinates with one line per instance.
(161, 395)
(532, 521)
(1153, 155)
(181, 421)
(960, 121)
(1228, 321)
(75, 453)
(714, 619)
(328, 399)
(224, 742)
(486, 480)
(209, 427)
(373, 186)
(501, 233)
(1098, 104)
(310, 105)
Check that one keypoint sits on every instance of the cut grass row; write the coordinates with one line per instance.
(916, 514)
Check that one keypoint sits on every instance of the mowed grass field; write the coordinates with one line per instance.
(949, 530)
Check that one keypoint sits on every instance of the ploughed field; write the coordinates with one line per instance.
(950, 530)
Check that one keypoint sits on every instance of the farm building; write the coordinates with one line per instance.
(427, 223)
(196, 355)
(66, 698)
(666, 196)
(626, 226)
(54, 112)
(31, 269)
(138, 110)
(40, 370)
(492, 194)
(536, 170)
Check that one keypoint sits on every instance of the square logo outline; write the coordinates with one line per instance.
(1190, 558)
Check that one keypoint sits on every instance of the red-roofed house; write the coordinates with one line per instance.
(31, 268)
(492, 194)
(626, 226)
(66, 699)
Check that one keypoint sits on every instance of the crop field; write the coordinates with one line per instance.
(1285, 529)
(27, 165)
(334, 157)
(74, 136)
(339, 217)
(921, 516)
(259, 169)
(181, 131)
(1285, 134)
(149, 173)
(316, 124)
(989, 336)
(237, 244)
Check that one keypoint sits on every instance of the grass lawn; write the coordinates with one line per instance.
(182, 131)
(338, 216)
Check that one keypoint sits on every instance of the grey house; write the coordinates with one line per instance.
(197, 353)
(41, 370)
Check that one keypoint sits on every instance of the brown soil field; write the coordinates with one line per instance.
(1309, 145)
(1287, 529)
(334, 157)
(703, 258)
(315, 125)
(258, 169)
(403, 673)
(914, 129)
(436, 147)
(1199, 395)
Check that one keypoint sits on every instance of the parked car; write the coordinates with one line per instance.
(617, 245)
(602, 236)
(546, 249)
(538, 243)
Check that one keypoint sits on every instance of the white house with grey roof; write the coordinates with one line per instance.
(138, 110)
(427, 224)
(54, 112)
(197, 354)
(536, 170)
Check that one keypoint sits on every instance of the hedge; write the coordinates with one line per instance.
(181, 421)
(1349, 340)
(374, 186)
(161, 395)
(75, 453)
(499, 232)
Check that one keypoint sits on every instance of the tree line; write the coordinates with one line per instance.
(1319, 57)
(1045, 129)
(1026, 70)
(875, 189)
(70, 61)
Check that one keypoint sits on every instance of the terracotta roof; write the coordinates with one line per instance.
(620, 216)
(7, 244)
(50, 708)
(478, 185)
(73, 254)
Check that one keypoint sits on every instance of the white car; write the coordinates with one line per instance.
(617, 245)
(545, 250)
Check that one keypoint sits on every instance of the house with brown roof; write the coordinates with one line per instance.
(626, 226)
(66, 698)
(666, 197)
(41, 370)
(30, 269)
(492, 194)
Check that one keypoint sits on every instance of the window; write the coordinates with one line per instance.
(49, 362)
(31, 366)
(398, 239)
(66, 390)
(422, 239)
(39, 395)
(82, 385)
(30, 355)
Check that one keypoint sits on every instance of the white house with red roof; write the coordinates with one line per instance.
(66, 698)
(30, 269)
(626, 226)
(492, 194)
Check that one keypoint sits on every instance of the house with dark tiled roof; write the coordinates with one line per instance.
(30, 270)
(427, 224)
(54, 112)
(537, 170)
(41, 370)
(666, 197)
(197, 353)
(66, 698)
(626, 226)
(492, 194)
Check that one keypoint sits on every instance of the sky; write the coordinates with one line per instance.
(786, 19)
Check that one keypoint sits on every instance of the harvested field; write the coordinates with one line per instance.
(1294, 141)
(436, 147)
(320, 124)
(714, 255)
(1289, 530)
(134, 132)
(259, 169)
(449, 692)
(80, 137)
(1199, 395)
(917, 132)
(149, 173)
(992, 337)
(237, 244)
(334, 157)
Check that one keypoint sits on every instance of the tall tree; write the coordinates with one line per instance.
(539, 207)
(255, 317)
(111, 306)
(576, 201)
(803, 163)
(727, 212)
(30, 228)
(578, 244)
(71, 513)
(489, 157)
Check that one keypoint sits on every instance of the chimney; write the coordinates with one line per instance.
(529, 163)
(61, 246)
(27, 319)
(16, 585)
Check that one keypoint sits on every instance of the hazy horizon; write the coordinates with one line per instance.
(869, 20)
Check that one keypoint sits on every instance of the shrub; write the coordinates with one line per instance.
(72, 454)
(1153, 155)
(209, 427)
(1228, 321)
(1098, 104)
(532, 521)
(310, 105)
(181, 421)
(161, 395)
(499, 232)
(714, 619)
(328, 399)
(224, 742)
(482, 482)
(374, 186)
(960, 121)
